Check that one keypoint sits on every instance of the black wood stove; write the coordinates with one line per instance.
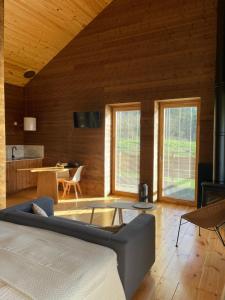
(215, 190)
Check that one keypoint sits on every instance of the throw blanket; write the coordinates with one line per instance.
(40, 264)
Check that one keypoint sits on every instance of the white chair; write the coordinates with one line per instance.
(75, 182)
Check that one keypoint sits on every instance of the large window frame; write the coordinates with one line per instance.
(115, 109)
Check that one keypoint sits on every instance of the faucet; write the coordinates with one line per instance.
(13, 148)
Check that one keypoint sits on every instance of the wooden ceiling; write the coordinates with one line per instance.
(37, 30)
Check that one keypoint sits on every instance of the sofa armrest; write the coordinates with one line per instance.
(135, 246)
(46, 203)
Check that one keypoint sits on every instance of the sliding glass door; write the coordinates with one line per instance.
(126, 150)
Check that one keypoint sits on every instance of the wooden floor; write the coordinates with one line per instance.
(193, 271)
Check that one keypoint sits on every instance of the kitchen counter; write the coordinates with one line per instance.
(23, 158)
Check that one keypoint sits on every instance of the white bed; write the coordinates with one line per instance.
(40, 264)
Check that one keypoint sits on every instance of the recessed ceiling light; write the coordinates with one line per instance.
(29, 74)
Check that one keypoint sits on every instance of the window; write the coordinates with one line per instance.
(126, 149)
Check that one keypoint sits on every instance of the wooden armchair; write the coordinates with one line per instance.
(210, 217)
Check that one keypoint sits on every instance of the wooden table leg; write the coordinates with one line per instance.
(114, 216)
(47, 185)
(92, 215)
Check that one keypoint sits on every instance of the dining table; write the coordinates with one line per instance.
(47, 181)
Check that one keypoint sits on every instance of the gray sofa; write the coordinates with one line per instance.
(134, 243)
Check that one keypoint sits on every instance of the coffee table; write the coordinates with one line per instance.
(118, 207)
(93, 206)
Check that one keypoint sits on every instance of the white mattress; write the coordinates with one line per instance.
(40, 264)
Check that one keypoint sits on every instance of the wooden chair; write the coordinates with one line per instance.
(75, 182)
(61, 177)
(210, 217)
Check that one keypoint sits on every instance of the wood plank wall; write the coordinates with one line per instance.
(14, 111)
(135, 50)
(2, 112)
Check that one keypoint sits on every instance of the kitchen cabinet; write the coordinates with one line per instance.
(17, 180)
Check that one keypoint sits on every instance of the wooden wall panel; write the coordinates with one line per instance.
(14, 111)
(136, 50)
(2, 112)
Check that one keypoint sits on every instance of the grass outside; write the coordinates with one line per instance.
(182, 182)
(128, 150)
(125, 144)
(180, 148)
(178, 188)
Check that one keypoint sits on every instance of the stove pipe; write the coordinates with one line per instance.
(219, 155)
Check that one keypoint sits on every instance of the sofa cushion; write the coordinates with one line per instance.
(45, 203)
(38, 210)
(113, 229)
